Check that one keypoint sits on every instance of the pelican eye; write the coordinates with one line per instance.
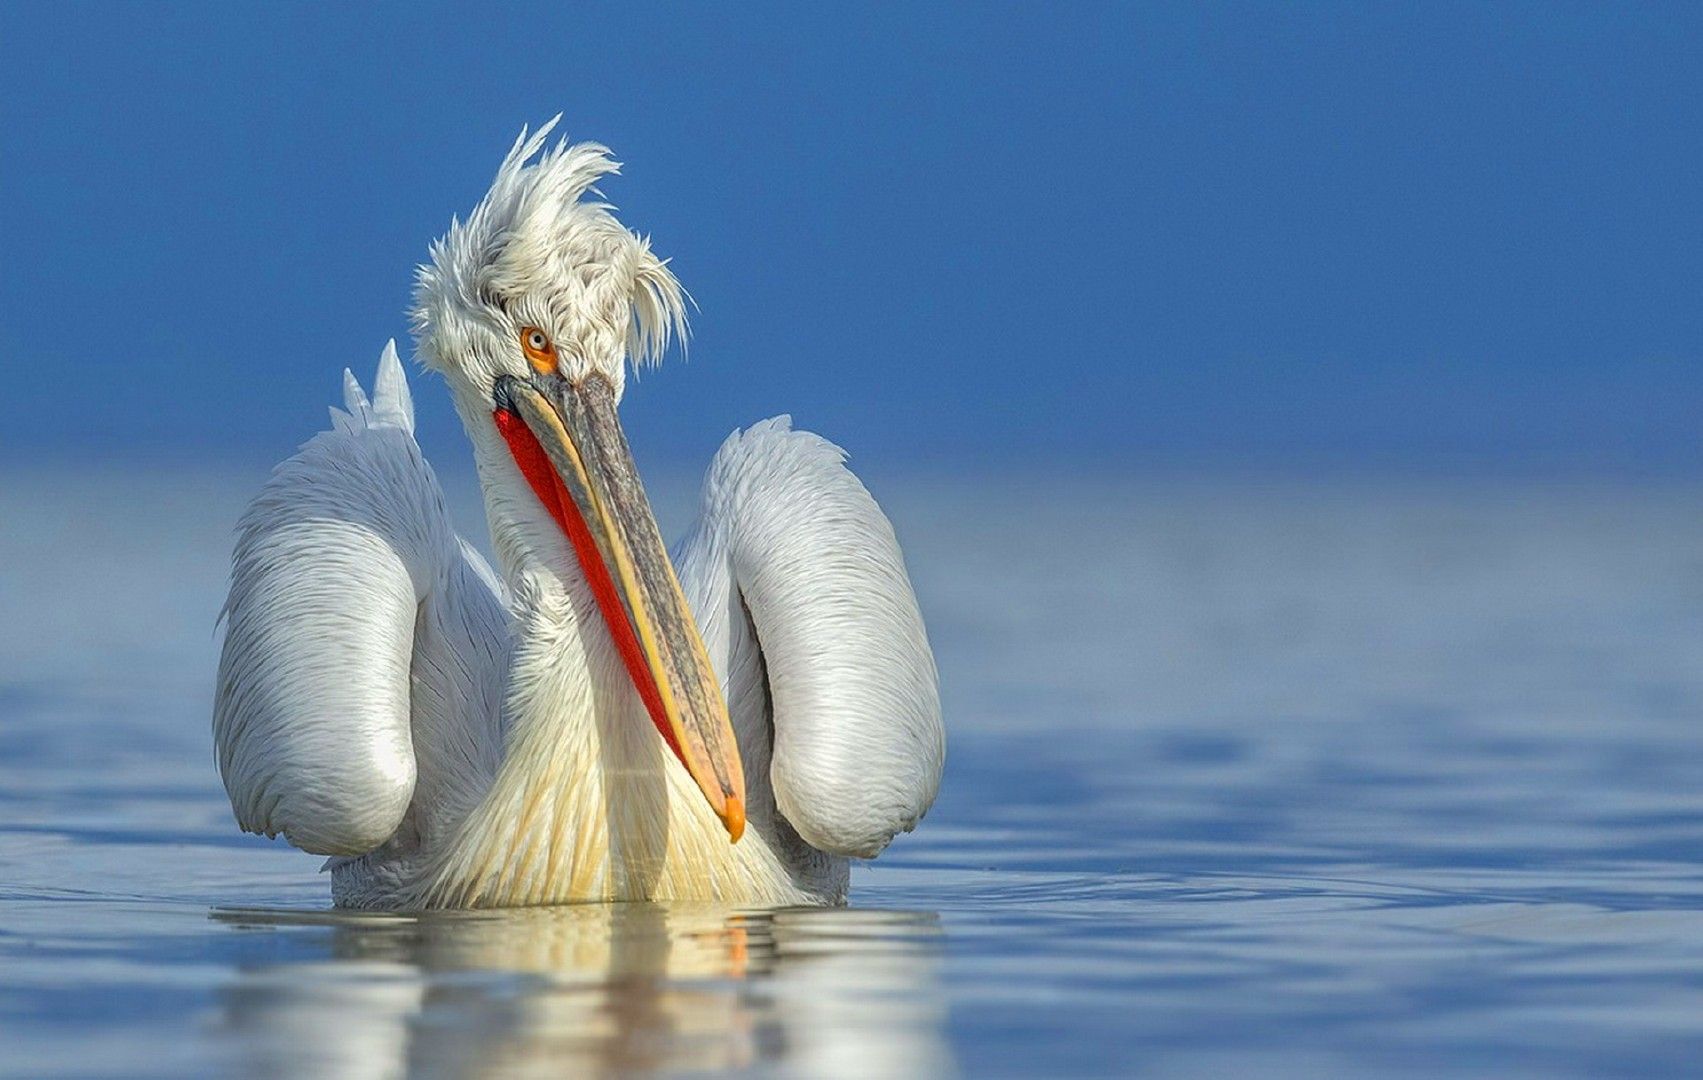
(539, 352)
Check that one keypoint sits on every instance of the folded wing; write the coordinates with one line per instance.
(351, 598)
(793, 559)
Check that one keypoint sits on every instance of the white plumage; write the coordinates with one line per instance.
(453, 738)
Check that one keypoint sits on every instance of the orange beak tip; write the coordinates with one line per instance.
(734, 818)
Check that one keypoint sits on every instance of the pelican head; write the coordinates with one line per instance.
(531, 310)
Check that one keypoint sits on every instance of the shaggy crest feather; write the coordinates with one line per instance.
(537, 244)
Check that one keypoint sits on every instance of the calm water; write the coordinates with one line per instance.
(1278, 777)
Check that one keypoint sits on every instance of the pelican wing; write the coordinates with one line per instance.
(798, 583)
(362, 637)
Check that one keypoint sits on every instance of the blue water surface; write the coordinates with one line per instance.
(1301, 777)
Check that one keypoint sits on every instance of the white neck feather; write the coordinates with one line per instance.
(588, 803)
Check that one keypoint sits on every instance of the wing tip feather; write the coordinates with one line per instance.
(391, 403)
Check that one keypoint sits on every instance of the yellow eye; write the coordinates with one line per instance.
(539, 352)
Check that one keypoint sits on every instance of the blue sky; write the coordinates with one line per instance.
(1434, 234)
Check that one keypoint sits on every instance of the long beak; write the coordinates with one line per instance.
(568, 442)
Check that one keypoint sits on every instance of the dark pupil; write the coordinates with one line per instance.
(537, 341)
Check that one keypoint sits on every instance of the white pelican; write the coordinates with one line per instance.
(456, 739)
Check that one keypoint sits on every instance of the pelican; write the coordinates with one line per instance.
(596, 721)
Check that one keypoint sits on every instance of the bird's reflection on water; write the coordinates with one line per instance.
(592, 989)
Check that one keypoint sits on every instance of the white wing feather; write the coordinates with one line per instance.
(790, 536)
(335, 563)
